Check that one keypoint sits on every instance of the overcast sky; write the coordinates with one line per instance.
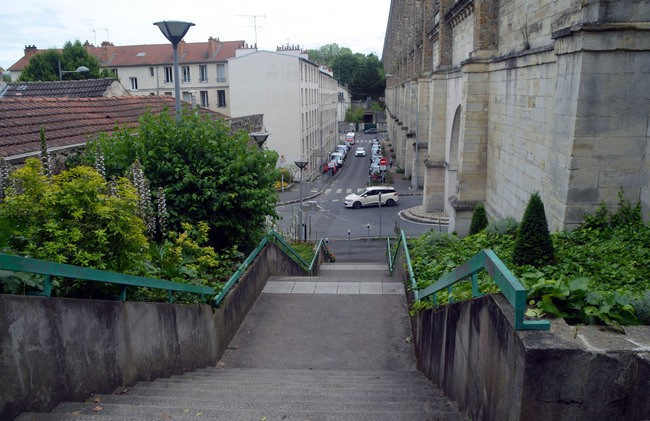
(357, 24)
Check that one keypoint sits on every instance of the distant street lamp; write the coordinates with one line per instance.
(301, 165)
(174, 31)
(414, 185)
(80, 69)
(260, 138)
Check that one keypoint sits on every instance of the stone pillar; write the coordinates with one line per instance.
(472, 147)
(434, 163)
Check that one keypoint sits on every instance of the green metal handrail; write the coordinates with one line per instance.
(401, 240)
(487, 260)
(53, 269)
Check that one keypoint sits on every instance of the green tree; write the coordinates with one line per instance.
(363, 74)
(208, 174)
(533, 245)
(479, 220)
(45, 66)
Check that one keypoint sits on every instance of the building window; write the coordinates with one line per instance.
(114, 71)
(151, 71)
(134, 83)
(203, 73)
(186, 73)
(221, 96)
(169, 76)
(168, 93)
(204, 99)
(221, 73)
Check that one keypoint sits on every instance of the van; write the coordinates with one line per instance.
(337, 157)
(350, 137)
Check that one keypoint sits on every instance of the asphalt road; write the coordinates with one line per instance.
(333, 220)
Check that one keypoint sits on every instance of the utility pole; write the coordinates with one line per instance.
(255, 24)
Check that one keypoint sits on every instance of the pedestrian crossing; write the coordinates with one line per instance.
(339, 191)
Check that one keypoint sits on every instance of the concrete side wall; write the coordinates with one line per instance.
(472, 352)
(57, 349)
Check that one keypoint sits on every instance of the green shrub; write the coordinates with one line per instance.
(479, 220)
(505, 226)
(71, 218)
(533, 245)
(642, 308)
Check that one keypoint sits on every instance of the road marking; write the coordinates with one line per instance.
(338, 191)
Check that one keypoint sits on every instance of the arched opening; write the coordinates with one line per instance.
(451, 175)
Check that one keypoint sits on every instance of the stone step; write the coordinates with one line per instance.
(86, 412)
(216, 402)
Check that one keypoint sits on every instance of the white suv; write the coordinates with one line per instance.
(370, 197)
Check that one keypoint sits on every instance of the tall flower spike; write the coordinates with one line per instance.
(162, 212)
(99, 160)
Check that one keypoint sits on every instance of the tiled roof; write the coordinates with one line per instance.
(71, 121)
(154, 54)
(88, 88)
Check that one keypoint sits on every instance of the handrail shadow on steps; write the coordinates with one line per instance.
(487, 260)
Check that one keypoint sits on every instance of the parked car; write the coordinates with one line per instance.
(370, 197)
(329, 165)
(360, 151)
(338, 158)
(371, 130)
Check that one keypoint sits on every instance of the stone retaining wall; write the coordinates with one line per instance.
(472, 352)
(59, 349)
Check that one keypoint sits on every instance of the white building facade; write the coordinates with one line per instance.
(301, 103)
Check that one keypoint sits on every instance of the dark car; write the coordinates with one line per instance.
(371, 130)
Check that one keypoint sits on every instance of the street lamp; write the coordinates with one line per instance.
(414, 185)
(174, 31)
(301, 165)
(260, 138)
(80, 69)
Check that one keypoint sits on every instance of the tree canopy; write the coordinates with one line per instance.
(45, 66)
(208, 174)
(364, 75)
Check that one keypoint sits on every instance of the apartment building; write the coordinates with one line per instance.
(301, 102)
(149, 69)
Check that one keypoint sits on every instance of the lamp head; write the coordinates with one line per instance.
(301, 164)
(260, 138)
(174, 30)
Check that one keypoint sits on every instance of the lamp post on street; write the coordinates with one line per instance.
(414, 184)
(80, 69)
(260, 138)
(174, 31)
(301, 165)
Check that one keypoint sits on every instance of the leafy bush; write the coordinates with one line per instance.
(505, 226)
(73, 220)
(600, 273)
(533, 245)
(479, 220)
(208, 174)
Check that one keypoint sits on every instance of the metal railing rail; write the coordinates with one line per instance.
(487, 260)
(401, 241)
(272, 235)
(52, 269)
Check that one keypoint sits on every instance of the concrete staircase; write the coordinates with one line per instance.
(332, 347)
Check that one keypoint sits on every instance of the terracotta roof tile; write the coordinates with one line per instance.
(71, 121)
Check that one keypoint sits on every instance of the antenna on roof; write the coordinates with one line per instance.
(92, 29)
(255, 24)
(107, 37)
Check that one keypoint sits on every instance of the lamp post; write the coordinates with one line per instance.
(301, 165)
(174, 31)
(80, 69)
(414, 185)
(260, 138)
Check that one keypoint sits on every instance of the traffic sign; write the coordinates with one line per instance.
(383, 161)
